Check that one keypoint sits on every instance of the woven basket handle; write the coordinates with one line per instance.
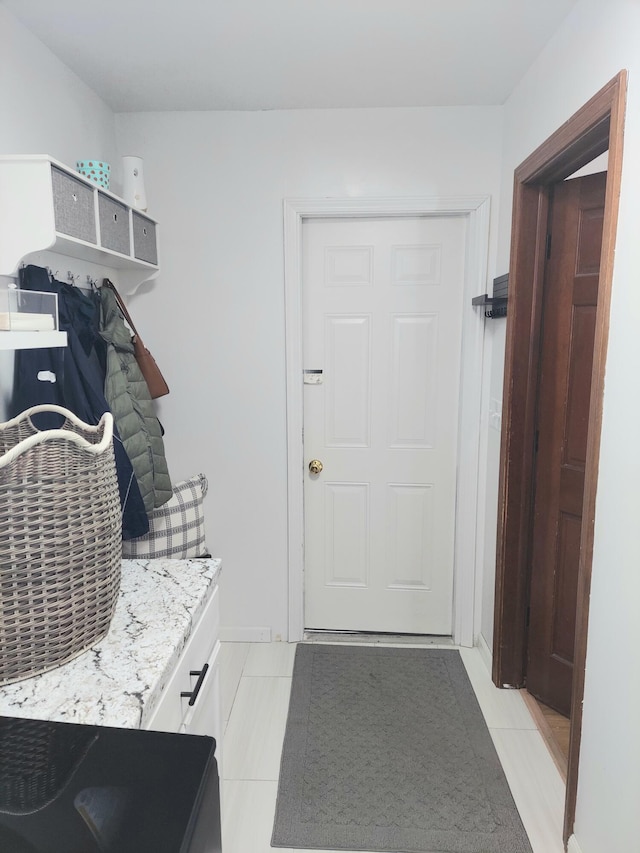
(105, 424)
(52, 407)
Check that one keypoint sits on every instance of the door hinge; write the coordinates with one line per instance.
(548, 246)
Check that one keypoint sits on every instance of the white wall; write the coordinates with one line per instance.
(215, 318)
(45, 109)
(597, 40)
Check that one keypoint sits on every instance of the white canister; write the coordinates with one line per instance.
(133, 191)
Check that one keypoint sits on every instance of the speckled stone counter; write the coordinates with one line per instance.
(119, 681)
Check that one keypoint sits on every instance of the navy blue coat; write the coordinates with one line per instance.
(79, 371)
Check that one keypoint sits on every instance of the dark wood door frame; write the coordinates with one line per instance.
(595, 128)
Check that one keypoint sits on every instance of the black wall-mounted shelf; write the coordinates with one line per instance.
(496, 304)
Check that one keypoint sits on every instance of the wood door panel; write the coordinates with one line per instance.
(585, 291)
(564, 622)
(571, 489)
(566, 358)
(590, 237)
(583, 330)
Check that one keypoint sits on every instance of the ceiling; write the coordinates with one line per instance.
(143, 55)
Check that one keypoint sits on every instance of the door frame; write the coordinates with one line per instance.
(468, 535)
(595, 128)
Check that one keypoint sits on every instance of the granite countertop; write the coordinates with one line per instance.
(119, 680)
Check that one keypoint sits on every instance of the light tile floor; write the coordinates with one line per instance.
(255, 686)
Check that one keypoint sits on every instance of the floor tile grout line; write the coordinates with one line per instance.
(513, 728)
(233, 702)
(235, 692)
(243, 779)
(265, 676)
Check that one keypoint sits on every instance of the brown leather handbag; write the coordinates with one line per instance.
(146, 362)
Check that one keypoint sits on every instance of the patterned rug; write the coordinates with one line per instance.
(386, 749)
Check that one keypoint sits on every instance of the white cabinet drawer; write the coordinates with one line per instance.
(203, 717)
(167, 716)
(173, 708)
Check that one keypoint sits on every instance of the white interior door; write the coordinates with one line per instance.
(382, 320)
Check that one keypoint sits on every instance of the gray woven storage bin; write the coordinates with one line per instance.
(60, 541)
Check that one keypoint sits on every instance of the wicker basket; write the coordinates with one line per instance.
(38, 758)
(60, 541)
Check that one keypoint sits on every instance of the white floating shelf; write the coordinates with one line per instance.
(32, 340)
(45, 205)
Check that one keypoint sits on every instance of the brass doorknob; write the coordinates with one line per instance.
(315, 466)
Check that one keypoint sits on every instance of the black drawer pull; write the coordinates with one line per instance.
(193, 694)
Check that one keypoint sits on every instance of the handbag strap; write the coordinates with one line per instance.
(108, 283)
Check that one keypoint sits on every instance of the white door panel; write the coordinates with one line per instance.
(414, 352)
(382, 306)
(347, 349)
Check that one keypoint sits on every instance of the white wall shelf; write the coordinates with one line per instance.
(47, 205)
(32, 340)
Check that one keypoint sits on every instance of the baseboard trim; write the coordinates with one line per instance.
(485, 653)
(245, 635)
(573, 846)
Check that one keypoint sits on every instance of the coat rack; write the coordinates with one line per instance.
(496, 304)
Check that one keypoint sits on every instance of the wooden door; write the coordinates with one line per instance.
(568, 328)
(382, 320)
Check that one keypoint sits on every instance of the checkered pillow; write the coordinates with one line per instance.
(176, 529)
